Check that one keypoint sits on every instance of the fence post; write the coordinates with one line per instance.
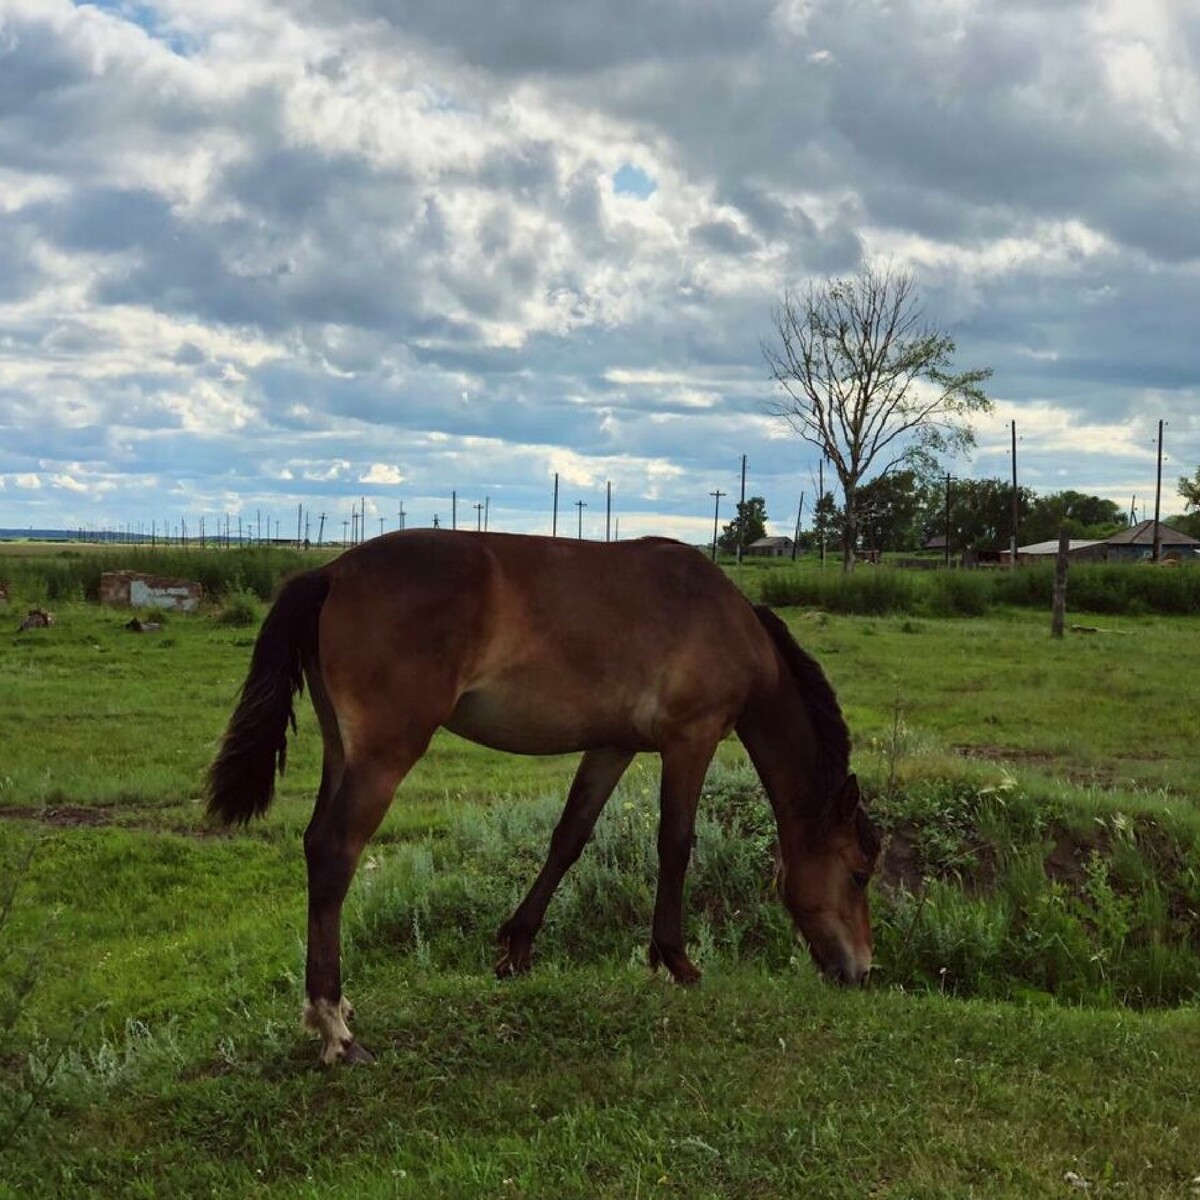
(1060, 583)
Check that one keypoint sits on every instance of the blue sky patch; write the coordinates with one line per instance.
(146, 17)
(633, 181)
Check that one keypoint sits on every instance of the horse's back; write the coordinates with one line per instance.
(539, 645)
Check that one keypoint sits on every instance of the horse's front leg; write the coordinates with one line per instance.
(683, 770)
(598, 773)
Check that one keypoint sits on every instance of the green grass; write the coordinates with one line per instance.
(1033, 1027)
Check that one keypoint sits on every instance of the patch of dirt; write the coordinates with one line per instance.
(64, 816)
(134, 817)
(899, 867)
(1013, 754)
(1067, 860)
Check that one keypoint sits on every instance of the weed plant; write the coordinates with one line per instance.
(240, 610)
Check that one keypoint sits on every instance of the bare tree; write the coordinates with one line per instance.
(868, 381)
(1189, 489)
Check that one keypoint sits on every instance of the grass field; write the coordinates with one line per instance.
(1034, 1030)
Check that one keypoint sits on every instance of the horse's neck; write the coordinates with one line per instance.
(778, 736)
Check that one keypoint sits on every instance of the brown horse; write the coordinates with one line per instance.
(542, 646)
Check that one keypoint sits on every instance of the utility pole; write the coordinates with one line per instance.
(554, 519)
(949, 477)
(381, 527)
(299, 525)
(821, 506)
(1157, 548)
(741, 515)
(454, 510)
(487, 504)
(799, 516)
(608, 511)
(716, 517)
(581, 505)
(1015, 507)
(400, 516)
(321, 529)
(478, 518)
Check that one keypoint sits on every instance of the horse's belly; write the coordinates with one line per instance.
(523, 722)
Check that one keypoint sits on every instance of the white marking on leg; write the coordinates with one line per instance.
(327, 1020)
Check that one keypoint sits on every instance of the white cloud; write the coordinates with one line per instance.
(382, 473)
(67, 483)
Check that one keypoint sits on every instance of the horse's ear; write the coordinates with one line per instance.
(849, 798)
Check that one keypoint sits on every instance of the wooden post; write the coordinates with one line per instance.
(741, 537)
(1059, 609)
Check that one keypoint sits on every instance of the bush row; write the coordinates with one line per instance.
(1129, 589)
(75, 574)
(995, 896)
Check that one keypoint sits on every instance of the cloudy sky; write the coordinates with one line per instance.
(262, 253)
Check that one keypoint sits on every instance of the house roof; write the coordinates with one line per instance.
(766, 542)
(1052, 547)
(1142, 534)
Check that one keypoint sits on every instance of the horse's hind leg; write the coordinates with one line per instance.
(598, 773)
(345, 818)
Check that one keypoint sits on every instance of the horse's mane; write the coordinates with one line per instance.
(830, 732)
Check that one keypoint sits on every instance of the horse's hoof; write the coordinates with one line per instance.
(512, 963)
(356, 1054)
(683, 970)
(517, 956)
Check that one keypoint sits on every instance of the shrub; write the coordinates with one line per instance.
(240, 610)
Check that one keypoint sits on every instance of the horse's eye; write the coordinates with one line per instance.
(861, 879)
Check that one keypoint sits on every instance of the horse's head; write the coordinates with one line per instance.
(823, 881)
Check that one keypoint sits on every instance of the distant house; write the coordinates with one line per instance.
(771, 547)
(1078, 550)
(1136, 544)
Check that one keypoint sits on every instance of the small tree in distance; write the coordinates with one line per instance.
(868, 381)
(747, 527)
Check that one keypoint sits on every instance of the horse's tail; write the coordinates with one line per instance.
(241, 780)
